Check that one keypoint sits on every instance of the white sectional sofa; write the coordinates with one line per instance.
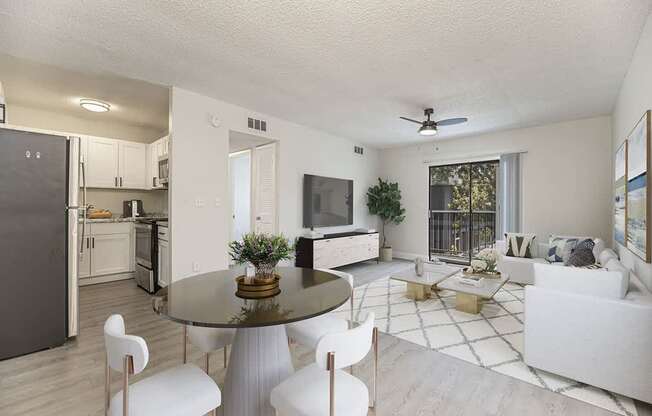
(521, 270)
(591, 325)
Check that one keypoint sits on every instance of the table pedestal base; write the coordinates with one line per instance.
(418, 291)
(260, 360)
(468, 303)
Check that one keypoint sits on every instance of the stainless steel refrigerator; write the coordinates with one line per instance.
(39, 186)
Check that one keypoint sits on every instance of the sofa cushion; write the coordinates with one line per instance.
(599, 243)
(606, 255)
(519, 245)
(582, 254)
(614, 265)
(600, 282)
(560, 248)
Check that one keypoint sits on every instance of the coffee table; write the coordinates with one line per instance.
(420, 287)
(469, 298)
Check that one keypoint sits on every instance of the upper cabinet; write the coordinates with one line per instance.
(132, 165)
(101, 162)
(111, 163)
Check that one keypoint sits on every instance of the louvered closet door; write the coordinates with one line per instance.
(265, 188)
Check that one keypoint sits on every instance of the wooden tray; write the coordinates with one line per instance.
(254, 290)
(104, 214)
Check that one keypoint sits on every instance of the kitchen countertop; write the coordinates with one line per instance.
(124, 219)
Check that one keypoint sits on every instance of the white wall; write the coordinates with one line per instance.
(634, 99)
(199, 165)
(48, 120)
(566, 174)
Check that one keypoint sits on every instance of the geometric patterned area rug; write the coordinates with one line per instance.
(492, 339)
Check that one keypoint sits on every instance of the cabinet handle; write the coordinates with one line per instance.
(121, 181)
(93, 243)
(88, 242)
(116, 181)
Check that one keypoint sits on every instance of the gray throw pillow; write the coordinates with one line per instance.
(582, 255)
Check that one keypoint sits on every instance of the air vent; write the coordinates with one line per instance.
(255, 124)
(358, 149)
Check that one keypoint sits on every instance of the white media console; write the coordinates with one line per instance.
(334, 250)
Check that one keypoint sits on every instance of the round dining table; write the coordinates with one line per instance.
(260, 356)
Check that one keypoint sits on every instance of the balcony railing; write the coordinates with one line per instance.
(459, 235)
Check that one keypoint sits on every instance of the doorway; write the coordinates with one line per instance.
(462, 210)
(252, 182)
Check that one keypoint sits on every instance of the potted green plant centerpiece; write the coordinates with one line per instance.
(384, 200)
(263, 251)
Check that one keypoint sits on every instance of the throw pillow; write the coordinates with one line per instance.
(582, 255)
(519, 245)
(560, 248)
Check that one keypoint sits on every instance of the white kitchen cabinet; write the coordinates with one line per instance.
(156, 150)
(132, 165)
(84, 268)
(101, 164)
(111, 254)
(163, 263)
(109, 248)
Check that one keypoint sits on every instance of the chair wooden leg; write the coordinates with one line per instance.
(375, 374)
(225, 354)
(330, 366)
(185, 341)
(107, 386)
(128, 368)
(208, 359)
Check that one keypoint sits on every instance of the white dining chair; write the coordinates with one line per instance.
(323, 388)
(209, 340)
(309, 331)
(182, 390)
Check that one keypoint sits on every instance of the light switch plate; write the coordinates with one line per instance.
(195, 266)
(218, 202)
(199, 203)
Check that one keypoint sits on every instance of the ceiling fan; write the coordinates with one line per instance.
(429, 127)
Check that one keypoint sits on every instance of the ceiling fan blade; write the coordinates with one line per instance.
(452, 121)
(409, 119)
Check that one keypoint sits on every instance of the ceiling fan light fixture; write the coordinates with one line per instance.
(95, 106)
(428, 130)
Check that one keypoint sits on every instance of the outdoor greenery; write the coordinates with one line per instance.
(263, 251)
(483, 185)
(384, 200)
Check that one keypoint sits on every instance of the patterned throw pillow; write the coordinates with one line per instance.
(519, 245)
(560, 248)
(582, 255)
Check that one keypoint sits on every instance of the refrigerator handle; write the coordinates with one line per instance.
(85, 207)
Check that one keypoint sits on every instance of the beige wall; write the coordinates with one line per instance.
(199, 169)
(634, 99)
(155, 201)
(42, 119)
(566, 174)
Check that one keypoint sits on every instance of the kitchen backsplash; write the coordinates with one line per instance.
(155, 201)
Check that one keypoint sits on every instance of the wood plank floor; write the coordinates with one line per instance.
(413, 380)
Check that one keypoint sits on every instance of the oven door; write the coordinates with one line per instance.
(144, 245)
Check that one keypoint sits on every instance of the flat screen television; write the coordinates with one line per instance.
(327, 202)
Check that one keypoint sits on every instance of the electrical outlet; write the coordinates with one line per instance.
(218, 202)
(195, 266)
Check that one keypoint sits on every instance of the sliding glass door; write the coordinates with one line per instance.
(462, 215)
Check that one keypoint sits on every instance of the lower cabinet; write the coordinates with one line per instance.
(163, 263)
(108, 249)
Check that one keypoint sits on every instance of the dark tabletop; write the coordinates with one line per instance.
(209, 299)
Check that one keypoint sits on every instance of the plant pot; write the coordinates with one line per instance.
(265, 273)
(385, 254)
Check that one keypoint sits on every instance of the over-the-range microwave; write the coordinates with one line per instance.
(163, 170)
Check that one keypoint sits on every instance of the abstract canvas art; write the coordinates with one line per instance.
(638, 209)
(620, 189)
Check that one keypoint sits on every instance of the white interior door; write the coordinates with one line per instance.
(264, 198)
(240, 183)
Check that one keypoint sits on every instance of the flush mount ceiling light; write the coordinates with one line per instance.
(429, 127)
(94, 105)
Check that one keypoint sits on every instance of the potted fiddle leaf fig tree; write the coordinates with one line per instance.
(384, 200)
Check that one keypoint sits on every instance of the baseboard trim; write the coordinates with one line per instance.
(408, 256)
(85, 281)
